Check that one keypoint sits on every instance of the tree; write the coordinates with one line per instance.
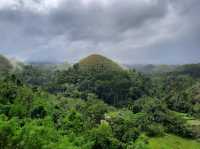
(103, 137)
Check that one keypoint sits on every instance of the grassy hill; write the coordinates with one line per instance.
(5, 65)
(98, 63)
(173, 142)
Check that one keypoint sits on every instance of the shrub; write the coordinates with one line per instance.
(154, 130)
(38, 112)
(131, 135)
(103, 138)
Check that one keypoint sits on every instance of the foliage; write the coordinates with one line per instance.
(170, 141)
(5, 65)
(85, 108)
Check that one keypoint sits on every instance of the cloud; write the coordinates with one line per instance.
(129, 31)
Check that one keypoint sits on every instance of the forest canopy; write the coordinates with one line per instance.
(91, 108)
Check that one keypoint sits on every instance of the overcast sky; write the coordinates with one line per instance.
(128, 31)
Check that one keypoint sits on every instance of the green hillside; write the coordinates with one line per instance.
(5, 65)
(192, 70)
(98, 63)
(17, 65)
(194, 92)
(154, 69)
(173, 142)
(96, 104)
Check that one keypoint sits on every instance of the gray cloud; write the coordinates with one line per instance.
(129, 31)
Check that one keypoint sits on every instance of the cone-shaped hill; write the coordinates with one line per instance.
(98, 63)
(5, 65)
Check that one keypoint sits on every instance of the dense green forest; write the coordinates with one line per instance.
(98, 104)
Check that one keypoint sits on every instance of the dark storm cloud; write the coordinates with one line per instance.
(99, 22)
(130, 31)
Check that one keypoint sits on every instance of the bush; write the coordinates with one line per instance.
(177, 125)
(103, 138)
(38, 112)
(73, 122)
(196, 110)
(9, 130)
(131, 135)
(140, 143)
(154, 130)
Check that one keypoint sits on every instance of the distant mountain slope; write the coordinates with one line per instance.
(152, 69)
(192, 70)
(62, 66)
(51, 66)
(98, 63)
(17, 65)
(5, 65)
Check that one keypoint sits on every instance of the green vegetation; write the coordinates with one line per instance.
(172, 142)
(85, 107)
(154, 69)
(5, 65)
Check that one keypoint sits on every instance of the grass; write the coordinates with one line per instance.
(173, 142)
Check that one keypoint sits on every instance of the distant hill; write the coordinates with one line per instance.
(17, 65)
(192, 70)
(153, 69)
(51, 66)
(62, 66)
(5, 65)
(98, 63)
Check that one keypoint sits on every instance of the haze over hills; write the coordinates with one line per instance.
(5, 65)
(96, 62)
(150, 68)
(51, 66)
(10, 64)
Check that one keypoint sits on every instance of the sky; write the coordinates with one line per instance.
(127, 31)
